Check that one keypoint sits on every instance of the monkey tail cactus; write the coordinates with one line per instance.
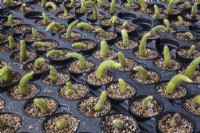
(170, 5)
(104, 49)
(10, 19)
(95, 10)
(11, 42)
(61, 123)
(167, 57)
(142, 46)
(146, 101)
(118, 123)
(175, 81)
(41, 104)
(143, 72)
(53, 73)
(196, 101)
(38, 62)
(45, 18)
(101, 31)
(175, 120)
(122, 86)
(79, 45)
(188, 35)
(194, 10)
(23, 7)
(23, 84)
(143, 5)
(101, 101)
(70, 89)
(190, 70)
(112, 6)
(52, 5)
(122, 59)
(54, 24)
(81, 59)
(54, 52)
(156, 28)
(113, 20)
(69, 29)
(180, 19)
(167, 25)
(125, 37)
(44, 3)
(83, 6)
(85, 26)
(101, 71)
(23, 52)
(191, 51)
(6, 73)
(125, 25)
(156, 11)
(129, 3)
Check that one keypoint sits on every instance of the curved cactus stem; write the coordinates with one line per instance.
(129, 3)
(8, 1)
(23, 7)
(61, 123)
(180, 19)
(70, 89)
(41, 104)
(34, 33)
(101, 71)
(11, 42)
(100, 3)
(104, 49)
(72, 2)
(122, 86)
(122, 59)
(44, 3)
(10, 19)
(52, 5)
(175, 81)
(125, 25)
(191, 51)
(83, 6)
(125, 37)
(79, 45)
(6, 73)
(156, 11)
(113, 20)
(95, 10)
(196, 101)
(81, 59)
(40, 44)
(146, 101)
(167, 25)
(143, 5)
(65, 11)
(101, 101)
(112, 6)
(185, 4)
(118, 123)
(45, 18)
(188, 35)
(69, 29)
(156, 28)
(175, 120)
(53, 73)
(23, 52)
(54, 24)
(23, 84)
(194, 10)
(85, 26)
(190, 70)
(101, 31)
(167, 57)
(143, 72)
(38, 62)
(54, 52)
(142, 46)
(170, 5)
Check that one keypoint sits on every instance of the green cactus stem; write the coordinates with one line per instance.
(143, 72)
(40, 44)
(85, 25)
(39, 62)
(6, 73)
(10, 19)
(23, 84)
(191, 51)
(69, 29)
(122, 86)
(119, 123)
(167, 25)
(170, 6)
(100, 3)
(101, 31)
(180, 20)
(190, 70)
(65, 11)
(156, 12)
(34, 33)
(167, 57)
(156, 28)
(81, 59)
(112, 6)
(113, 20)
(101, 101)
(54, 24)
(94, 7)
(83, 6)
(188, 35)
(146, 101)
(69, 88)
(52, 5)
(129, 3)
(185, 4)
(104, 49)
(11, 42)
(101, 70)
(44, 3)
(72, 3)
(175, 120)
(8, 1)
(122, 59)
(143, 6)
(142, 46)
(23, 52)
(175, 81)
(54, 52)
(23, 7)
(45, 18)
(40, 103)
(196, 101)
(125, 25)
(61, 123)
(194, 10)
(79, 45)
(2, 123)
(53, 73)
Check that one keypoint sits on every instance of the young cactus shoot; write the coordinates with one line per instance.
(101, 31)
(146, 101)
(175, 81)
(101, 101)
(44, 3)
(38, 62)
(125, 25)
(196, 101)
(23, 7)
(41, 104)
(10, 19)
(104, 49)
(125, 37)
(122, 59)
(118, 123)
(65, 11)
(129, 3)
(52, 5)
(156, 28)
(70, 89)
(54, 52)
(175, 120)
(69, 29)
(83, 6)
(53, 73)
(85, 25)
(190, 70)
(113, 20)
(54, 24)
(180, 19)
(167, 57)
(45, 18)
(142, 46)
(167, 25)
(11, 42)
(61, 123)
(6, 73)
(40, 44)
(170, 6)
(23, 84)
(188, 35)
(143, 6)
(34, 33)
(143, 72)
(81, 59)
(72, 3)
(156, 12)
(95, 10)
(112, 6)
(191, 51)
(79, 45)
(101, 71)
(122, 86)
(23, 52)
(194, 10)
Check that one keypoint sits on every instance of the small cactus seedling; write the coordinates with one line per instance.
(119, 123)
(143, 72)
(188, 35)
(129, 3)
(94, 7)
(10, 19)
(104, 49)
(167, 25)
(34, 33)
(125, 37)
(23, 7)
(113, 20)
(170, 6)
(100, 3)
(53, 73)
(143, 6)
(175, 81)
(23, 52)
(69, 29)
(190, 70)
(167, 57)
(8, 1)
(185, 4)
(196, 101)
(69, 88)
(54, 24)
(40, 44)
(122, 86)
(2, 123)
(180, 20)
(194, 10)
(54, 52)
(125, 25)
(81, 59)
(156, 28)
(85, 25)
(101, 71)
(38, 62)
(101, 101)
(6, 73)
(11, 42)
(61, 123)
(43, 3)
(40, 103)
(122, 59)
(156, 12)
(83, 6)
(191, 51)
(23, 84)
(52, 5)
(45, 18)
(146, 101)
(101, 31)
(72, 3)
(79, 45)
(65, 11)
(112, 6)
(175, 120)
(142, 46)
